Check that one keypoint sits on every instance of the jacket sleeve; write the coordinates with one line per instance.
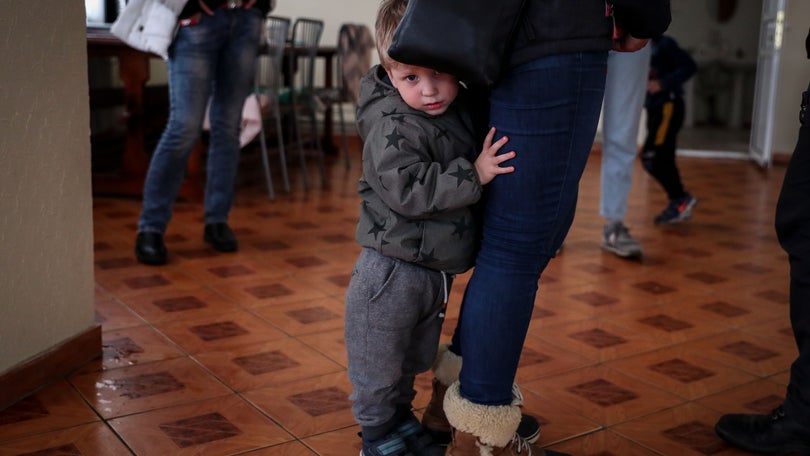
(682, 66)
(407, 178)
(642, 18)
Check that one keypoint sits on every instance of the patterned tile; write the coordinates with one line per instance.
(56, 406)
(271, 363)
(305, 317)
(145, 387)
(684, 430)
(174, 305)
(308, 406)
(226, 425)
(603, 395)
(682, 371)
(93, 439)
(744, 351)
(221, 331)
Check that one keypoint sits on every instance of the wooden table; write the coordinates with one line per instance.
(134, 72)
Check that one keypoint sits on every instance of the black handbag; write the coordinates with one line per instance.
(468, 39)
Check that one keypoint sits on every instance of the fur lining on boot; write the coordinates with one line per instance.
(446, 366)
(494, 425)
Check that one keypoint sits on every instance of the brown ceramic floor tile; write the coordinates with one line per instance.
(542, 359)
(150, 386)
(181, 304)
(222, 331)
(54, 407)
(558, 422)
(684, 430)
(330, 344)
(308, 406)
(111, 315)
(599, 339)
(263, 292)
(760, 396)
(285, 449)
(603, 443)
(681, 371)
(143, 280)
(277, 362)
(94, 439)
(225, 425)
(756, 355)
(306, 317)
(230, 268)
(603, 395)
(130, 346)
(343, 442)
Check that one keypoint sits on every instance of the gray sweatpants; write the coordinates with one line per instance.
(394, 316)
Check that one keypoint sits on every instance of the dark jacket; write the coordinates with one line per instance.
(671, 66)
(193, 7)
(563, 26)
(419, 183)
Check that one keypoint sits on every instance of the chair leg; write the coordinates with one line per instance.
(265, 162)
(301, 156)
(339, 108)
(282, 156)
(316, 137)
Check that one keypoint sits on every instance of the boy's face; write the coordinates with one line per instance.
(424, 89)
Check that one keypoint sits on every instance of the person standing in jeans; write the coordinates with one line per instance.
(624, 99)
(787, 428)
(547, 103)
(212, 57)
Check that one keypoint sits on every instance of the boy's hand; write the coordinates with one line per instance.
(487, 165)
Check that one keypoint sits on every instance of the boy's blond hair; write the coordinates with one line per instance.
(389, 15)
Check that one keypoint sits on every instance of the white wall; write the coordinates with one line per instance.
(794, 75)
(46, 231)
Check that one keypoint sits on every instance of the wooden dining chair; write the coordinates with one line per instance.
(305, 39)
(355, 44)
(268, 84)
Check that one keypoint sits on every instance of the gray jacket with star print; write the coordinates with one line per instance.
(419, 183)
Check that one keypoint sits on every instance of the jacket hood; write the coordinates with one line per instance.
(375, 100)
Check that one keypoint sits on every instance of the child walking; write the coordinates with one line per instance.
(422, 173)
(670, 67)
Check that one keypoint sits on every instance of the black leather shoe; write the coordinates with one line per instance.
(221, 238)
(776, 433)
(150, 249)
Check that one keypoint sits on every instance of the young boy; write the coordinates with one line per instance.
(670, 67)
(421, 175)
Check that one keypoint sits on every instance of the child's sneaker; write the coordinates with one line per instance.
(390, 445)
(418, 441)
(678, 210)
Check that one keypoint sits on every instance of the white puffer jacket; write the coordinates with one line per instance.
(149, 25)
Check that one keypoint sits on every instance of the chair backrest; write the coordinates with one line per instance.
(306, 36)
(277, 30)
(354, 47)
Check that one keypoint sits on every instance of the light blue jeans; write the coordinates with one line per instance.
(549, 109)
(213, 59)
(625, 89)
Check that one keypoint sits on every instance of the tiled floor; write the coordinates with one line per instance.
(221, 354)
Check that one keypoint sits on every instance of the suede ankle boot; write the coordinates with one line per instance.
(486, 430)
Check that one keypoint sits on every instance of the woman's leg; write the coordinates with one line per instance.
(192, 58)
(234, 81)
(549, 109)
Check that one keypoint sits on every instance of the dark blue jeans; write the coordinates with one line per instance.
(213, 59)
(549, 109)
